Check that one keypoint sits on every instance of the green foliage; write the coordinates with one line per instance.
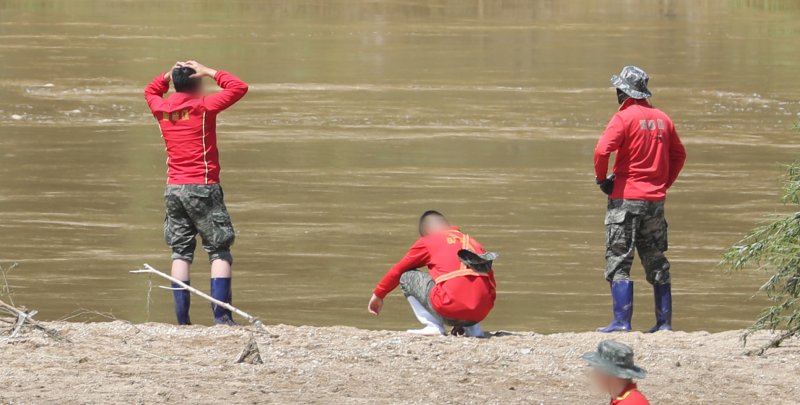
(775, 247)
(6, 292)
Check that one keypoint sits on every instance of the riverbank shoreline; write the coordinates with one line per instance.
(119, 362)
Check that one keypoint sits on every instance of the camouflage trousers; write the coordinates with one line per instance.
(194, 209)
(641, 225)
(418, 284)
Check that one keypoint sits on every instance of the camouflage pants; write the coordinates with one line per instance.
(418, 284)
(194, 209)
(641, 225)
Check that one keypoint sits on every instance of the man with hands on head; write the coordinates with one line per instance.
(193, 196)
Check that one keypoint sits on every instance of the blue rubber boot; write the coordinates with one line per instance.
(221, 290)
(622, 305)
(663, 295)
(183, 299)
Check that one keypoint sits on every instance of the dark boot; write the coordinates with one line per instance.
(622, 305)
(663, 295)
(221, 290)
(183, 299)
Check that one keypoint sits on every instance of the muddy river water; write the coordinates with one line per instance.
(360, 116)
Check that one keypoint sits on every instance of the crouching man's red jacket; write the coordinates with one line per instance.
(459, 293)
(189, 127)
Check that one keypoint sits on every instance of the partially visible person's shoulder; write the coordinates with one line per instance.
(627, 115)
(633, 397)
(621, 115)
(668, 123)
(661, 113)
(422, 241)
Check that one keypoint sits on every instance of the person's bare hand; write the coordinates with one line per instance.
(168, 75)
(201, 69)
(375, 305)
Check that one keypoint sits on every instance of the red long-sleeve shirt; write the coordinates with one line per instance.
(189, 127)
(630, 396)
(649, 153)
(466, 298)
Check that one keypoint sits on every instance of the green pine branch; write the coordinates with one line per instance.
(774, 247)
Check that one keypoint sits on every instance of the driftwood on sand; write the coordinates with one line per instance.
(25, 317)
(250, 353)
(150, 269)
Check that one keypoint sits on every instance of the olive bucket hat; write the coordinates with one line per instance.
(616, 359)
(633, 82)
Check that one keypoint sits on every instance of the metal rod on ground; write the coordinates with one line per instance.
(250, 318)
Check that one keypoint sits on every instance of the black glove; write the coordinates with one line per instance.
(607, 185)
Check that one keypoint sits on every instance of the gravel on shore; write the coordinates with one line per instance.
(118, 362)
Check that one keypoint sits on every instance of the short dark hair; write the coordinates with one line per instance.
(182, 80)
(429, 213)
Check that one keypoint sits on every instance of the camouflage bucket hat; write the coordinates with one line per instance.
(616, 359)
(633, 82)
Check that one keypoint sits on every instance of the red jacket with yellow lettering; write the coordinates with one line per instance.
(459, 293)
(189, 127)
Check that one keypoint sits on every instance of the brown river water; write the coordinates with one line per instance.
(360, 116)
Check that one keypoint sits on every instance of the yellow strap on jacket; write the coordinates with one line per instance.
(459, 273)
(463, 270)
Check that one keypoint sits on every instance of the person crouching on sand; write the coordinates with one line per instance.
(193, 197)
(459, 288)
(613, 371)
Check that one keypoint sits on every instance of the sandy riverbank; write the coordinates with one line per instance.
(117, 362)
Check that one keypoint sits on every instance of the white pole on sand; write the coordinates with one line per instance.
(149, 269)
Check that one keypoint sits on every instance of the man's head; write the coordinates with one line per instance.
(184, 82)
(608, 383)
(631, 82)
(432, 222)
(612, 366)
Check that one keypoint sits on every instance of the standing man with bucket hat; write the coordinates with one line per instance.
(614, 371)
(649, 157)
